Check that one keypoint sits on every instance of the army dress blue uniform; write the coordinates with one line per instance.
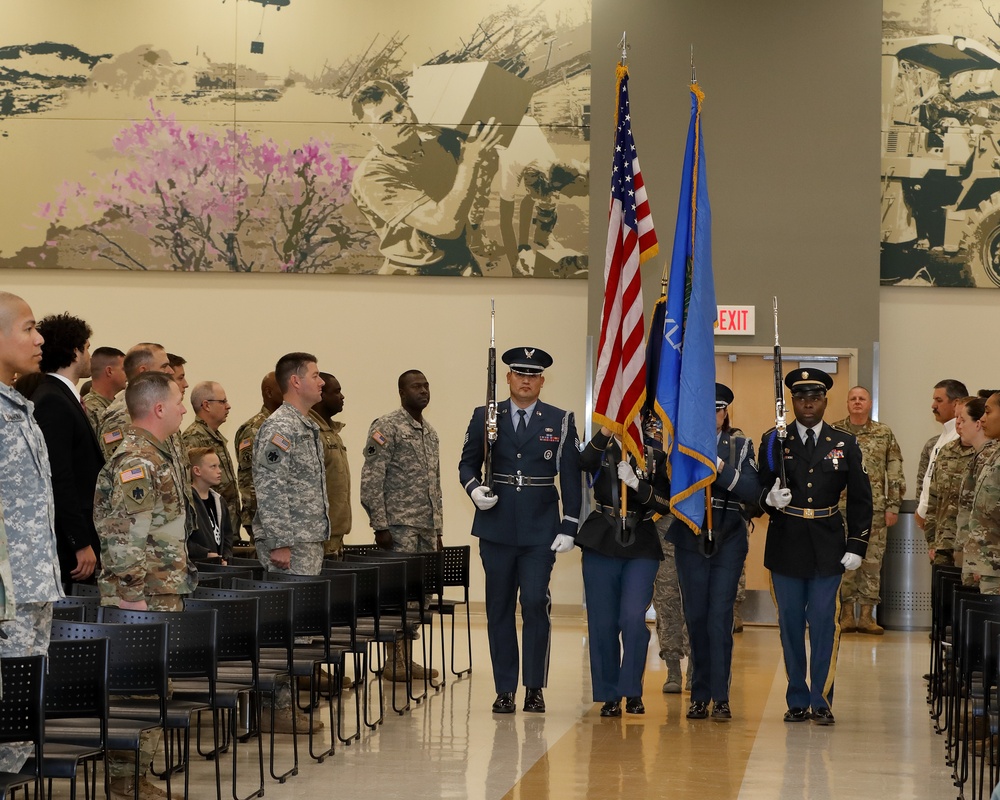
(516, 535)
(806, 542)
(709, 575)
(619, 567)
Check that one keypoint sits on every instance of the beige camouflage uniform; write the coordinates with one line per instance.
(245, 436)
(401, 481)
(338, 481)
(670, 628)
(95, 405)
(925, 460)
(198, 434)
(292, 509)
(982, 550)
(941, 525)
(29, 518)
(884, 463)
(967, 490)
(139, 511)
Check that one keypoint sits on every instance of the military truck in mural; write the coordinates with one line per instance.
(941, 160)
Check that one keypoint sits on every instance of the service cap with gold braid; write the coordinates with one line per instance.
(808, 381)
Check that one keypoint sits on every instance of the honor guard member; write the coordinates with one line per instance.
(808, 548)
(518, 523)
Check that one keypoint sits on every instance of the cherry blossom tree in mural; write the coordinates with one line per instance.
(195, 201)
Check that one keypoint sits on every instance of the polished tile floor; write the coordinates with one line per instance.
(451, 746)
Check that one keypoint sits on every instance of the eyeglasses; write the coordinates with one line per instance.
(212, 400)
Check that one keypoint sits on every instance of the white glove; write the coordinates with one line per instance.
(627, 474)
(719, 464)
(851, 561)
(562, 543)
(483, 499)
(778, 497)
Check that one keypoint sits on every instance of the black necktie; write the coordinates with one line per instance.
(521, 424)
(810, 441)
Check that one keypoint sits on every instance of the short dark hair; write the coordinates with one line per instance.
(291, 364)
(953, 388)
(103, 356)
(399, 381)
(175, 360)
(987, 393)
(64, 334)
(145, 391)
(975, 406)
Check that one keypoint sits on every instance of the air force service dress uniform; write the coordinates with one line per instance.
(806, 542)
(516, 534)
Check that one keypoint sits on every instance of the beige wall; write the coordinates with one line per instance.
(365, 330)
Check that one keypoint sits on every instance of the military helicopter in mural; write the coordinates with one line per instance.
(257, 45)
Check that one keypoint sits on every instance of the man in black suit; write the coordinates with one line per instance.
(518, 520)
(74, 452)
(808, 548)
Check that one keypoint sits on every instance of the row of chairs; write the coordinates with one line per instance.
(349, 611)
(964, 677)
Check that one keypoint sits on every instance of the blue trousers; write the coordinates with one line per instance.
(816, 601)
(708, 589)
(512, 571)
(618, 590)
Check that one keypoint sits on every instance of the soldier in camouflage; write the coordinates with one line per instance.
(884, 463)
(983, 448)
(107, 379)
(292, 520)
(338, 471)
(671, 632)
(981, 558)
(139, 511)
(143, 357)
(245, 436)
(401, 485)
(27, 503)
(208, 399)
(950, 468)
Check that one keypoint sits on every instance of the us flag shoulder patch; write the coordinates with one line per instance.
(281, 442)
(113, 436)
(134, 474)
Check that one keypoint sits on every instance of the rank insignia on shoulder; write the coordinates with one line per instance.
(113, 436)
(378, 437)
(134, 474)
(245, 443)
(281, 442)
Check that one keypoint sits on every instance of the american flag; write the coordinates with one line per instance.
(621, 360)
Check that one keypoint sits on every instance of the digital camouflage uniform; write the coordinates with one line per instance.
(95, 404)
(198, 434)
(338, 481)
(941, 523)
(401, 481)
(29, 524)
(292, 509)
(670, 628)
(884, 463)
(245, 436)
(982, 550)
(139, 511)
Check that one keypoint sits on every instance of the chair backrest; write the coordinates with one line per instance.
(137, 654)
(224, 573)
(310, 602)
(191, 638)
(344, 602)
(974, 610)
(68, 611)
(236, 625)
(84, 590)
(251, 564)
(360, 549)
(392, 584)
(455, 570)
(22, 714)
(276, 622)
(367, 586)
(77, 680)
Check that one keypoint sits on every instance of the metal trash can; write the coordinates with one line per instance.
(906, 575)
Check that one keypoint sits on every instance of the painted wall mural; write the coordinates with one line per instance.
(940, 187)
(311, 136)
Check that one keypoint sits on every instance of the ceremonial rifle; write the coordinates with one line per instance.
(490, 432)
(780, 429)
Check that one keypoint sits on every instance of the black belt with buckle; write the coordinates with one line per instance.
(810, 513)
(524, 480)
(616, 512)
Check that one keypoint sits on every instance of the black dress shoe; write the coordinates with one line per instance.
(823, 716)
(797, 715)
(504, 704)
(721, 712)
(533, 701)
(612, 708)
(697, 710)
(633, 705)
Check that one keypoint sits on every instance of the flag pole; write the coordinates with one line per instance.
(623, 494)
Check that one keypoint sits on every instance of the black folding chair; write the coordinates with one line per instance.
(22, 718)
(455, 574)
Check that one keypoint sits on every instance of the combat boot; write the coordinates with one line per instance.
(848, 623)
(673, 683)
(737, 622)
(868, 625)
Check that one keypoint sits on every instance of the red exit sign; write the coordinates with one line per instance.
(735, 321)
